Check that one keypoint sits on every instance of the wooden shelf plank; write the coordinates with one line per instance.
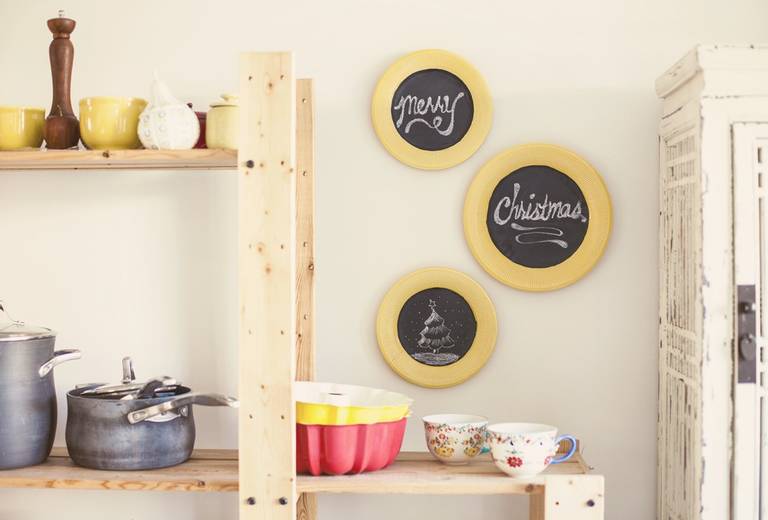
(202, 159)
(417, 473)
(207, 470)
(217, 470)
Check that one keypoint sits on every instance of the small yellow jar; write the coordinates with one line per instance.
(222, 125)
(21, 127)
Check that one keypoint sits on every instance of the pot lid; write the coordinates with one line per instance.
(20, 331)
(15, 330)
(129, 388)
(227, 100)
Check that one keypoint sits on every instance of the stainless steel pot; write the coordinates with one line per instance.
(133, 434)
(27, 393)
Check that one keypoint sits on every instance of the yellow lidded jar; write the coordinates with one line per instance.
(222, 125)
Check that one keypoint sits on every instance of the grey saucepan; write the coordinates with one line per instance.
(134, 434)
(27, 393)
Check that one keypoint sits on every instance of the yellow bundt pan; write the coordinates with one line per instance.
(333, 404)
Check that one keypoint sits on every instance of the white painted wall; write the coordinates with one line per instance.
(144, 263)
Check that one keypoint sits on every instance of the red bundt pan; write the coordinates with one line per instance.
(355, 448)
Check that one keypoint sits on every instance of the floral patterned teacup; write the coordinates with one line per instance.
(455, 438)
(526, 449)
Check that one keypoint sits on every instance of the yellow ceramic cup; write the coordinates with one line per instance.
(110, 123)
(21, 127)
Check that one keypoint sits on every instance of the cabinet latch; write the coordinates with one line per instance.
(746, 338)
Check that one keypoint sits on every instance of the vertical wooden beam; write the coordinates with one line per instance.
(536, 507)
(570, 497)
(306, 508)
(305, 231)
(267, 278)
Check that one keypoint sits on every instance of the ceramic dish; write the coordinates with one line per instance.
(455, 438)
(356, 448)
(21, 127)
(110, 123)
(335, 404)
(223, 123)
(526, 449)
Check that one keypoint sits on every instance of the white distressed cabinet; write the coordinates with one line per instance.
(713, 406)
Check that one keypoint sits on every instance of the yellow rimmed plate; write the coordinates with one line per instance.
(338, 404)
(436, 327)
(444, 74)
(539, 217)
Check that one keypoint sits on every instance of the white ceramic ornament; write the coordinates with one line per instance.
(167, 123)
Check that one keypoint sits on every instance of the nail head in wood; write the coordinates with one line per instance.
(249, 163)
(283, 501)
(250, 501)
(590, 503)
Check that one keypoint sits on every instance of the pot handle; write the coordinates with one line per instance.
(138, 416)
(59, 357)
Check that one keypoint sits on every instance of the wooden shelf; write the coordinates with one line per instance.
(418, 473)
(207, 470)
(217, 470)
(203, 159)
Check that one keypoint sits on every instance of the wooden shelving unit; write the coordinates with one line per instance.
(217, 470)
(69, 160)
(277, 331)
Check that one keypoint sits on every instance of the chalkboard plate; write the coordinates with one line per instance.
(436, 327)
(537, 217)
(431, 109)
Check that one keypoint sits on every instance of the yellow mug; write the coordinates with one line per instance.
(21, 127)
(110, 123)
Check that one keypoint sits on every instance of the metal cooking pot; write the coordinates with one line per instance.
(115, 431)
(27, 392)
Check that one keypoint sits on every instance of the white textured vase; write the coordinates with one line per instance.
(167, 123)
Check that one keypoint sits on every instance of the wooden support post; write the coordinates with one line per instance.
(305, 253)
(305, 231)
(569, 497)
(267, 278)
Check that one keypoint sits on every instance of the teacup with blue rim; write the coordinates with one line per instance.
(526, 449)
(455, 438)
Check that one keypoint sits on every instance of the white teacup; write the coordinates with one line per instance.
(526, 449)
(455, 438)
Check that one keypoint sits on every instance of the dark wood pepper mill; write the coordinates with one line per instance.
(62, 130)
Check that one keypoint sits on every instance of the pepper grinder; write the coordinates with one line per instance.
(62, 129)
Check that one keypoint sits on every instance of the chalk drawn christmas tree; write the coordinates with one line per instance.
(434, 337)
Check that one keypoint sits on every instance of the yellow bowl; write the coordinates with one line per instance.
(110, 123)
(21, 127)
(335, 404)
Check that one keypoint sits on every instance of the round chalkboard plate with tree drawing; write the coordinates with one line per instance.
(431, 109)
(537, 217)
(436, 327)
